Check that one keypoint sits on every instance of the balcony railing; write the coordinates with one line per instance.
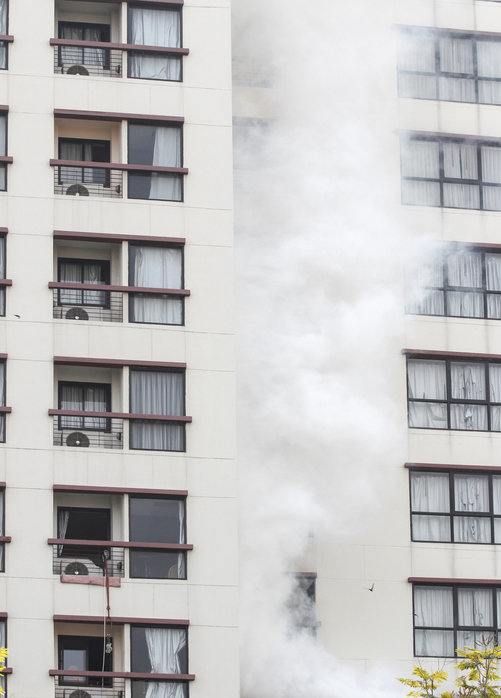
(81, 429)
(82, 178)
(86, 302)
(86, 557)
(98, 302)
(100, 58)
(85, 684)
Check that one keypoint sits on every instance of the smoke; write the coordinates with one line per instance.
(321, 246)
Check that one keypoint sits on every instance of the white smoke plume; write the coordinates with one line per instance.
(321, 246)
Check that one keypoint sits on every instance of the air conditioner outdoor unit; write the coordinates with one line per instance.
(76, 314)
(77, 438)
(77, 189)
(79, 693)
(77, 70)
(76, 568)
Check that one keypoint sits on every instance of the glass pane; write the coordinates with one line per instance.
(428, 415)
(475, 607)
(465, 304)
(469, 417)
(420, 193)
(491, 198)
(461, 196)
(489, 92)
(475, 639)
(433, 607)
(471, 492)
(457, 89)
(430, 302)
(154, 520)
(460, 160)
(493, 271)
(417, 86)
(464, 269)
(491, 164)
(416, 52)
(426, 379)
(456, 55)
(434, 643)
(489, 59)
(430, 492)
(431, 528)
(157, 564)
(496, 494)
(420, 159)
(468, 381)
(494, 306)
(472, 529)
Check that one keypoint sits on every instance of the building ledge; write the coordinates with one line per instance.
(89, 579)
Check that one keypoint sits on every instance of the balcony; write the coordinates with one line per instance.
(73, 301)
(84, 429)
(86, 557)
(87, 178)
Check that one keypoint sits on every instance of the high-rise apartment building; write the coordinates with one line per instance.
(117, 380)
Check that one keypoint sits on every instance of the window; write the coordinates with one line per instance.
(459, 282)
(4, 24)
(157, 520)
(156, 267)
(301, 604)
(449, 66)
(453, 173)
(77, 55)
(2, 533)
(87, 151)
(457, 507)
(159, 650)
(2, 401)
(160, 145)
(450, 617)
(154, 26)
(3, 151)
(3, 242)
(454, 394)
(84, 653)
(84, 397)
(84, 524)
(83, 271)
(157, 393)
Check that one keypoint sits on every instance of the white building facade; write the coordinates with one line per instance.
(118, 438)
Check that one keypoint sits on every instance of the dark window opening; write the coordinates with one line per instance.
(83, 150)
(77, 55)
(82, 653)
(83, 524)
(83, 271)
(85, 397)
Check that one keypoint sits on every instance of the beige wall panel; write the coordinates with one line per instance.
(213, 605)
(455, 447)
(210, 307)
(460, 561)
(211, 478)
(207, 151)
(210, 107)
(209, 67)
(207, 227)
(459, 14)
(210, 398)
(418, 114)
(212, 353)
(213, 533)
(214, 660)
(417, 13)
(488, 16)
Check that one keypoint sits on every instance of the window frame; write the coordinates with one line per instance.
(437, 35)
(156, 369)
(5, 44)
(82, 142)
(441, 180)
(147, 173)
(490, 631)
(105, 273)
(183, 534)
(84, 385)
(159, 627)
(449, 400)
(130, 272)
(453, 513)
(441, 257)
(105, 29)
(155, 6)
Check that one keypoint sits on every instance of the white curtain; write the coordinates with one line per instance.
(166, 153)
(3, 151)
(416, 53)
(465, 269)
(493, 283)
(156, 267)
(426, 379)
(475, 607)
(154, 27)
(160, 393)
(456, 55)
(164, 650)
(430, 493)
(457, 89)
(433, 607)
(63, 517)
(420, 159)
(489, 92)
(89, 399)
(467, 381)
(77, 54)
(461, 195)
(462, 304)
(417, 86)
(489, 59)
(4, 9)
(419, 193)
(491, 164)
(460, 160)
